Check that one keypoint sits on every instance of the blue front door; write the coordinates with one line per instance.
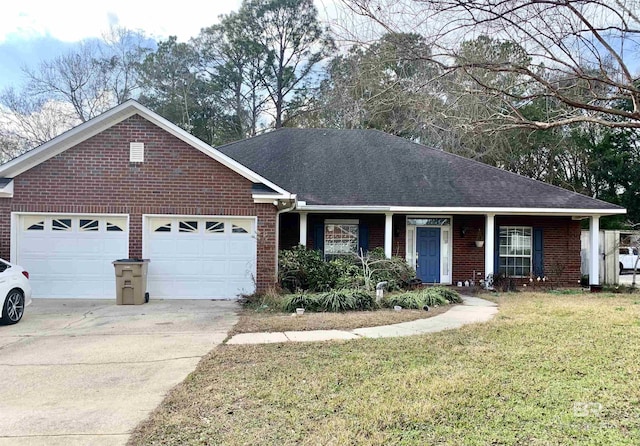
(428, 247)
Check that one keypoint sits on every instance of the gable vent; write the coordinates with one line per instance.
(136, 152)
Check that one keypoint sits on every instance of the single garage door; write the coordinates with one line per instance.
(70, 256)
(200, 258)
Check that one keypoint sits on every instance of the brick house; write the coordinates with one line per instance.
(129, 183)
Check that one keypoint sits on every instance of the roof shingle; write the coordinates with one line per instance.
(372, 168)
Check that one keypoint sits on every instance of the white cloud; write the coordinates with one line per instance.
(73, 20)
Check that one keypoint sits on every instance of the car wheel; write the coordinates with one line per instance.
(621, 268)
(13, 307)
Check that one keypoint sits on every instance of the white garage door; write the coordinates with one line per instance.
(200, 258)
(70, 256)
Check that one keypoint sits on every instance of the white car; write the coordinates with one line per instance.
(15, 292)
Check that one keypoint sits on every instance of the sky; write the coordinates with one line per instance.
(33, 30)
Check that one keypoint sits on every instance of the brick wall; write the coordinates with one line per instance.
(96, 177)
(466, 256)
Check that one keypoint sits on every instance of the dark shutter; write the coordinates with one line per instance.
(496, 250)
(363, 238)
(538, 252)
(318, 237)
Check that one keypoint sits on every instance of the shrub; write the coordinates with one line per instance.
(346, 273)
(270, 300)
(432, 297)
(337, 301)
(300, 268)
(395, 271)
(427, 296)
(449, 294)
(309, 302)
(364, 301)
(409, 300)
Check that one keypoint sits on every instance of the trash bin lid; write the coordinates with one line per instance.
(131, 260)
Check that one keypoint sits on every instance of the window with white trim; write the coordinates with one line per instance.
(214, 227)
(515, 247)
(188, 226)
(340, 239)
(89, 225)
(61, 224)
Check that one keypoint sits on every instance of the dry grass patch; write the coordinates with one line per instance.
(252, 321)
(548, 370)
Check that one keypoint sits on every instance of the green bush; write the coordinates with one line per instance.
(432, 298)
(395, 271)
(426, 296)
(309, 302)
(449, 294)
(300, 268)
(410, 300)
(346, 273)
(364, 301)
(337, 301)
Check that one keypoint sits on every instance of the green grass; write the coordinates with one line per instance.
(522, 379)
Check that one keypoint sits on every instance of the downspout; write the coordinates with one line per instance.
(278, 203)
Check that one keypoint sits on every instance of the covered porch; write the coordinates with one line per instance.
(453, 247)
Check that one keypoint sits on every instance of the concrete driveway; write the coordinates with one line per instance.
(78, 372)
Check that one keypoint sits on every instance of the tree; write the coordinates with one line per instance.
(75, 87)
(27, 122)
(171, 87)
(120, 56)
(382, 86)
(588, 43)
(231, 59)
(291, 43)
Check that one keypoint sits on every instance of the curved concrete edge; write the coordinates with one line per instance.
(473, 310)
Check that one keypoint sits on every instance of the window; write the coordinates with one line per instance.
(61, 224)
(161, 226)
(515, 251)
(429, 221)
(340, 239)
(188, 226)
(240, 226)
(33, 223)
(214, 227)
(113, 227)
(87, 225)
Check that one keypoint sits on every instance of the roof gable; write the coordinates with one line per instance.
(110, 118)
(369, 168)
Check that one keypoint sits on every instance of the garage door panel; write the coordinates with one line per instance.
(207, 262)
(214, 247)
(72, 263)
(214, 266)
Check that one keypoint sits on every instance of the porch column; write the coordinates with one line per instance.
(388, 234)
(303, 229)
(489, 244)
(594, 250)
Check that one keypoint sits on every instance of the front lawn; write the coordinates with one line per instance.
(548, 370)
(251, 321)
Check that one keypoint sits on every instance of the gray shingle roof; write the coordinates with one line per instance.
(372, 168)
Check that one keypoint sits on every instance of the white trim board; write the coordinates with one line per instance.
(561, 212)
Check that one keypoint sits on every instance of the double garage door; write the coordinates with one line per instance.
(191, 257)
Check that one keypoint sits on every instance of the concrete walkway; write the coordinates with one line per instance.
(471, 311)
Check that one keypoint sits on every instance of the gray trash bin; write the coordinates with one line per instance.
(131, 281)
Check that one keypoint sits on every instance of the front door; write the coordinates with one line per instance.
(428, 248)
